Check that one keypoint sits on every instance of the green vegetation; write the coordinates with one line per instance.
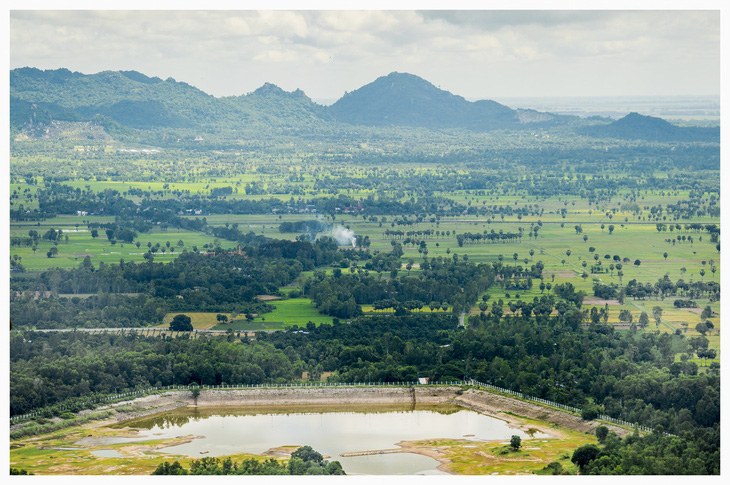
(303, 461)
(565, 260)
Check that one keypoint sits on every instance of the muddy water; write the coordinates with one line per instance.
(329, 430)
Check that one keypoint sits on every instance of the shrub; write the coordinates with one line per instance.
(589, 412)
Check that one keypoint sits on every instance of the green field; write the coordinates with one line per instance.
(296, 311)
(635, 237)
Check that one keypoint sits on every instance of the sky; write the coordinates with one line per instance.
(477, 54)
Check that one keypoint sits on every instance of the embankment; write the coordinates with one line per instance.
(498, 406)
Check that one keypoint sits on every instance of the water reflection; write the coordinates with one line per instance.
(331, 430)
(182, 416)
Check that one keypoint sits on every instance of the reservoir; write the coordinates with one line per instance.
(331, 430)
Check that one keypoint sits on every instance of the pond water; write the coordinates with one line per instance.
(331, 431)
(107, 453)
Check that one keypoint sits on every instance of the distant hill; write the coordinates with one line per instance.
(273, 106)
(131, 105)
(406, 100)
(640, 127)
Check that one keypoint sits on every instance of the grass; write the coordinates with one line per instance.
(295, 311)
(497, 457)
(80, 244)
(200, 320)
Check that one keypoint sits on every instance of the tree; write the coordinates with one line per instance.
(181, 323)
(610, 229)
(221, 318)
(643, 319)
(589, 412)
(52, 252)
(306, 454)
(701, 328)
(625, 316)
(657, 314)
(515, 442)
(584, 455)
(706, 312)
(601, 433)
(167, 469)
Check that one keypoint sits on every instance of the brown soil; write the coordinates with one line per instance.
(435, 453)
(268, 297)
(506, 408)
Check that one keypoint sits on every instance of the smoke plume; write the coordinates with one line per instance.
(343, 236)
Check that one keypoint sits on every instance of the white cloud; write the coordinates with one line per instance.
(327, 52)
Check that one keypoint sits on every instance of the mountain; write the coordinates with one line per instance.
(401, 99)
(131, 104)
(634, 126)
(128, 98)
(273, 106)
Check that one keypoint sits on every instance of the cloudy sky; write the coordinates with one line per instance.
(476, 54)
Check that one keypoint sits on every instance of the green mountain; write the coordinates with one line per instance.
(129, 105)
(640, 127)
(130, 100)
(402, 99)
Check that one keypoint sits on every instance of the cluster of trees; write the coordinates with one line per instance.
(49, 368)
(458, 283)
(96, 311)
(666, 287)
(137, 294)
(303, 461)
(693, 453)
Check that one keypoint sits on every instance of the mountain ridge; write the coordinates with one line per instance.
(121, 101)
(134, 100)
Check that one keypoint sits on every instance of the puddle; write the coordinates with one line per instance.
(107, 453)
